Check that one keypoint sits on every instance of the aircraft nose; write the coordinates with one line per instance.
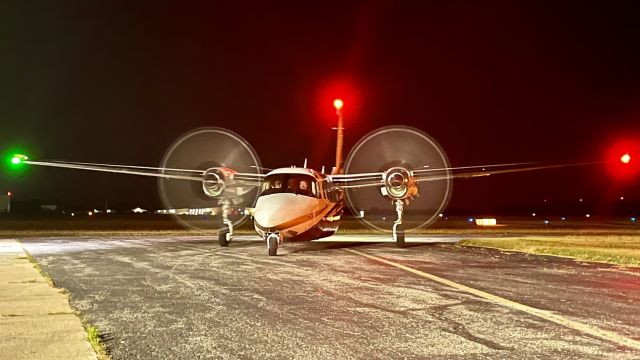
(281, 210)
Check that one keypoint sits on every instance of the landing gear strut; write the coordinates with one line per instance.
(273, 241)
(225, 235)
(398, 229)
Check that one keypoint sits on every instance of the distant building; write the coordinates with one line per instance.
(5, 203)
(49, 208)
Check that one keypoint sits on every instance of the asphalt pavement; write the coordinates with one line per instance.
(187, 298)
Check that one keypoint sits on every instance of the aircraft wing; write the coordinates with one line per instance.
(252, 179)
(487, 170)
(350, 181)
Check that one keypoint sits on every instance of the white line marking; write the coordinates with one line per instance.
(416, 239)
(544, 314)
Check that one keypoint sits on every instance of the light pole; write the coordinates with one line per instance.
(337, 103)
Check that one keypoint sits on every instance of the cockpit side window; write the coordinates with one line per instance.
(332, 194)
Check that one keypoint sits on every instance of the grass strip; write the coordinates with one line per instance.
(617, 249)
(95, 339)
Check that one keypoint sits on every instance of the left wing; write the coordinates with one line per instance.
(351, 181)
(478, 171)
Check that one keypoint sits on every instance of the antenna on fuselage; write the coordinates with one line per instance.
(305, 163)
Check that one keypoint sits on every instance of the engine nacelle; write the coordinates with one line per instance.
(399, 184)
(214, 180)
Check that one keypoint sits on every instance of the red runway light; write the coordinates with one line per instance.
(620, 159)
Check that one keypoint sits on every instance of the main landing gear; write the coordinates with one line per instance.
(273, 240)
(398, 229)
(225, 235)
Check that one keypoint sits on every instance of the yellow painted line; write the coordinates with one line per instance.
(544, 314)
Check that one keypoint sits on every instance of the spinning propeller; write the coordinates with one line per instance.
(397, 151)
(212, 152)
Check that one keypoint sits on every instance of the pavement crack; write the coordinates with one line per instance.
(459, 329)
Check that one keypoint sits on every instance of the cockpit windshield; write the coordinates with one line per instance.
(299, 184)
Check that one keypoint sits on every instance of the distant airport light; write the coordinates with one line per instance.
(562, 218)
(486, 222)
(621, 197)
(90, 213)
(546, 222)
(588, 215)
(533, 214)
(626, 158)
(470, 219)
(633, 219)
(9, 193)
(338, 104)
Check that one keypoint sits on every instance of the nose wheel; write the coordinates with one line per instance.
(273, 240)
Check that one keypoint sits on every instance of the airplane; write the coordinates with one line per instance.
(303, 204)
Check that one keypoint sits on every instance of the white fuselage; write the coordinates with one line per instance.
(294, 204)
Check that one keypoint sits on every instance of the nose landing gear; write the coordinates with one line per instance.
(273, 240)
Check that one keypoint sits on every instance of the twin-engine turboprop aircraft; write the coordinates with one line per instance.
(393, 168)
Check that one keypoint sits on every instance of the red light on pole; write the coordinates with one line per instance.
(333, 95)
(9, 193)
(626, 158)
(338, 104)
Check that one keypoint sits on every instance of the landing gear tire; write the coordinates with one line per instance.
(222, 238)
(400, 236)
(272, 245)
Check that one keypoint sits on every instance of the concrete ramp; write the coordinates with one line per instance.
(36, 321)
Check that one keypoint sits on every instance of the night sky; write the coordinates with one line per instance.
(492, 82)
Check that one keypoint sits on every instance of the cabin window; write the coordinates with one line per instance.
(332, 193)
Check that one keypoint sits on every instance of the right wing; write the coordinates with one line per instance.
(252, 179)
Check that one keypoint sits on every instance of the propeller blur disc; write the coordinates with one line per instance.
(201, 149)
(397, 146)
